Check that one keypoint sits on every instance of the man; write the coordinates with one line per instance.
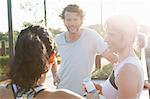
(77, 47)
(141, 42)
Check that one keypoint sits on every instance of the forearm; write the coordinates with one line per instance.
(56, 79)
(112, 58)
(54, 69)
(98, 62)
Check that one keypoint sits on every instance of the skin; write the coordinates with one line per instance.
(112, 39)
(73, 22)
(127, 79)
(6, 93)
(127, 82)
(147, 85)
(120, 41)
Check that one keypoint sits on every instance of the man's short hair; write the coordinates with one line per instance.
(72, 8)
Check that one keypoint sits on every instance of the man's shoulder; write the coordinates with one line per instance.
(93, 34)
(89, 30)
(59, 36)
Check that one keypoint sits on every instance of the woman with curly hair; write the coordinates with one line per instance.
(27, 73)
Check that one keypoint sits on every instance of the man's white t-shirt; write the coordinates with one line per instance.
(77, 58)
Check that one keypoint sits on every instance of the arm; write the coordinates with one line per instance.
(53, 63)
(110, 56)
(147, 85)
(98, 62)
(54, 70)
(98, 88)
(127, 82)
(97, 94)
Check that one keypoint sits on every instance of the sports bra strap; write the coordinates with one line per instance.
(19, 94)
(39, 89)
(112, 80)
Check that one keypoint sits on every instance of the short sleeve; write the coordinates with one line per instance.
(99, 44)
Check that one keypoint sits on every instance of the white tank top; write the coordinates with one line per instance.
(110, 92)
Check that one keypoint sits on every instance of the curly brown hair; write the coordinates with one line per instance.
(32, 51)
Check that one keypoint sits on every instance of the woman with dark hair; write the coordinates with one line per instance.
(27, 73)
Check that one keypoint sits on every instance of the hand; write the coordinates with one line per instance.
(146, 85)
(92, 95)
(56, 80)
(98, 88)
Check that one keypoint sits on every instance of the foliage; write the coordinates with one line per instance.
(41, 22)
(55, 31)
(4, 60)
(4, 36)
(15, 35)
(102, 73)
(26, 24)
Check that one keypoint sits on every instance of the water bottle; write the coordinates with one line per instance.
(89, 86)
(91, 90)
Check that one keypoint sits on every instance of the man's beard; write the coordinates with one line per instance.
(76, 30)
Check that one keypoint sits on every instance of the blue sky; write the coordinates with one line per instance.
(139, 9)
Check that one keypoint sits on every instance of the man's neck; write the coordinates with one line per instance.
(71, 37)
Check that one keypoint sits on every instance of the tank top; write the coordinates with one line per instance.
(23, 94)
(110, 90)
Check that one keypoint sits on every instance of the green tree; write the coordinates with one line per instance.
(26, 24)
(55, 31)
(4, 36)
(15, 35)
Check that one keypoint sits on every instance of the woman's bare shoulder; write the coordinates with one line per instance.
(68, 94)
(2, 90)
(63, 94)
(5, 92)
